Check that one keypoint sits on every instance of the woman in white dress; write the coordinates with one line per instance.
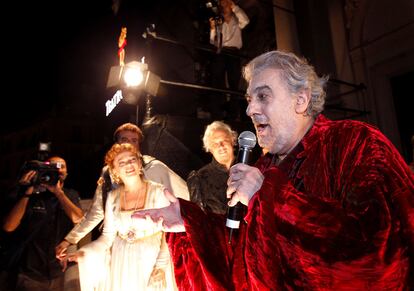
(130, 254)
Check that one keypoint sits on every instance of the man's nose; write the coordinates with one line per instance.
(252, 108)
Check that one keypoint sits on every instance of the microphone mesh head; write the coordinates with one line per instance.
(247, 139)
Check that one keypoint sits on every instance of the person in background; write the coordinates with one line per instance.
(154, 170)
(330, 204)
(41, 217)
(226, 36)
(139, 255)
(208, 185)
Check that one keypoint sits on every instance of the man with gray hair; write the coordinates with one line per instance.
(208, 185)
(330, 204)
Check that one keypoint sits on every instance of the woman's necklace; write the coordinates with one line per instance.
(132, 231)
(139, 195)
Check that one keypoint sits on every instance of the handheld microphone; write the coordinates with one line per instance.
(247, 141)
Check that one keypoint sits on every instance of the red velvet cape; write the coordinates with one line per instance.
(350, 226)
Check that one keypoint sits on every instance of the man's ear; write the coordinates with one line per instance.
(302, 101)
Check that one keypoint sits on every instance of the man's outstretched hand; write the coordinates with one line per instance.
(168, 218)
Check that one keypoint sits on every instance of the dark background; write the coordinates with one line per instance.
(57, 60)
(57, 55)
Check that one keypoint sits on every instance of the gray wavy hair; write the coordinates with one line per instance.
(296, 73)
(217, 125)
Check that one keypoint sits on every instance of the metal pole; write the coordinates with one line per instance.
(195, 86)
(136, 115)
(148, 110)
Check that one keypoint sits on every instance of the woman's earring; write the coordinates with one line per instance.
(116, 178)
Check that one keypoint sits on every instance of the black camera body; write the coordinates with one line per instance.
(46, 172)
(214, 10)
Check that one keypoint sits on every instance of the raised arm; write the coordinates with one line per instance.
(73, 211)
(240, 15)
(14, 217)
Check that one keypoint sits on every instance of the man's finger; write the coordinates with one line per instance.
(234, 199)
(170, 196)
(231, 188)
(142, 214)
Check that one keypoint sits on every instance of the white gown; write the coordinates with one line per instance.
(124, 256)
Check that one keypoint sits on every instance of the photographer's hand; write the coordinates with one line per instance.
(25, 181)
(56, 189)
(27, 178)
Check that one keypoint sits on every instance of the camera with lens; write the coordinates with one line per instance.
(46, 172)
(214, 10)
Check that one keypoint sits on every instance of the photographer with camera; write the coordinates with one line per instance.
(43, 212)
(226, 35)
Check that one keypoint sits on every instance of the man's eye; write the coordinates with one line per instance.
(261, 96)
(121, 164)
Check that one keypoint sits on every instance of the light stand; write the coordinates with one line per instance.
(148, 110)
(133, 79)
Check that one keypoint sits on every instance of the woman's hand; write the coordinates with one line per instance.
(157, 279)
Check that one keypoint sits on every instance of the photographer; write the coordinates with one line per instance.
(44, 211)
(226, 35)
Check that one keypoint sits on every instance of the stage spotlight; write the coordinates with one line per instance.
(130, 82)
(134, 76)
